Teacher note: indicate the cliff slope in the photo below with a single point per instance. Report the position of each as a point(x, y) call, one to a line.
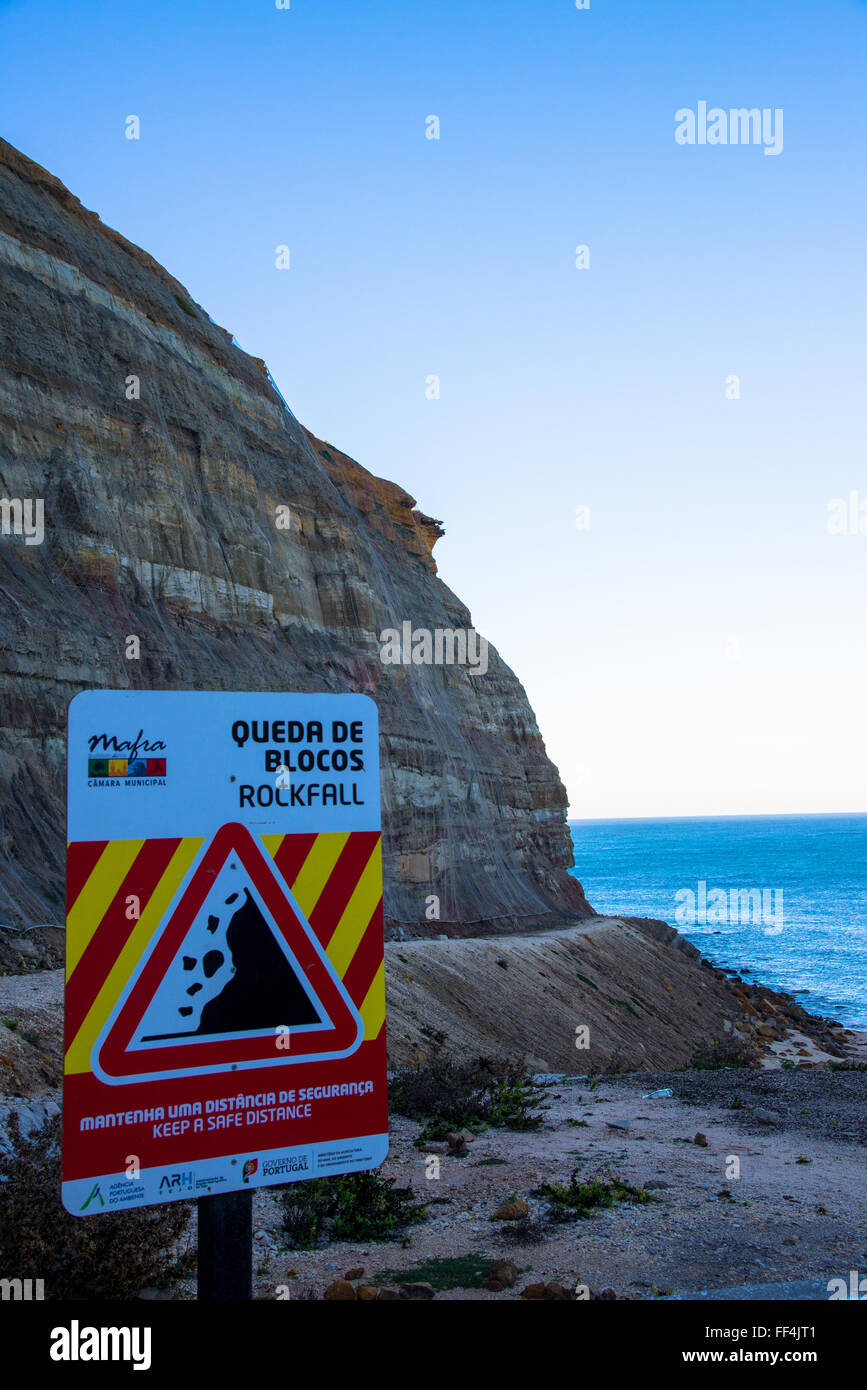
point(161, 522)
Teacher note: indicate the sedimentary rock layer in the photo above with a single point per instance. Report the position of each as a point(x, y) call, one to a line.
point(161, 522)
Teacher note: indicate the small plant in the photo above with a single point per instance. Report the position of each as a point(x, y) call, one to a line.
point(186, 306)
point(304, 1211)
point(110, 1256)
point(352, 1206)
point(11, 1024)
point(456, 1272)
point(446, 1093)
point(514, 1102)
point(568, 1201)
point(802, 1158)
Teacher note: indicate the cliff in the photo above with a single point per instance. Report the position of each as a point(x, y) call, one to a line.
point(162, 454)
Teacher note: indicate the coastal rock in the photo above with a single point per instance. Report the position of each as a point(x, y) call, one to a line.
point(163, 456)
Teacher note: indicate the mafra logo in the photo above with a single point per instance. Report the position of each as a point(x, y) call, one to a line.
point(123, 757)
point(250, 1168)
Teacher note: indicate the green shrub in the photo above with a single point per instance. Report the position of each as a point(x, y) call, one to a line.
point(442, 1272)
point(446, 1093)
point(514, 1101)
point(574, 1199)
point(352, 1206)
point(110, 1256)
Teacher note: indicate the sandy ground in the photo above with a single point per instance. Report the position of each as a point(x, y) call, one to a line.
point(781, 1219)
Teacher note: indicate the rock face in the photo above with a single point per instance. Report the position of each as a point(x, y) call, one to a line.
point(162, 454)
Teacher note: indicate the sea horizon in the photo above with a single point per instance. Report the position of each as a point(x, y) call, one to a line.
point(780, 898)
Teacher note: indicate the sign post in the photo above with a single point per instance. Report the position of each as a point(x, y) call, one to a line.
point(225, 996)
point(225, 1256)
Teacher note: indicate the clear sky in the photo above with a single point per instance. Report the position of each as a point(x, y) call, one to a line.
point(701, 647)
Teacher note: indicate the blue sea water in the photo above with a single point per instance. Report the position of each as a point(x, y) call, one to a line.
point(813, 870)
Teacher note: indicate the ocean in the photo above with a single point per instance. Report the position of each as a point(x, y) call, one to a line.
point(783, 899)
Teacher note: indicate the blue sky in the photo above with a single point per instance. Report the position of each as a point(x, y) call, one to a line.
point(701, 648)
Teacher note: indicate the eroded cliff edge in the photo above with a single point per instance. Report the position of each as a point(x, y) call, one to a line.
point(160, 522)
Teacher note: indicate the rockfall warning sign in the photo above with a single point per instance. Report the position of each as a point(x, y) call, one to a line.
point(225, 992)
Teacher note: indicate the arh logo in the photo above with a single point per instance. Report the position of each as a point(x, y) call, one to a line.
point(176, 1182)
point(250, 1167)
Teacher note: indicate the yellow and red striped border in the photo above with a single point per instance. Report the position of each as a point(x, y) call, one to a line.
point(336, 879)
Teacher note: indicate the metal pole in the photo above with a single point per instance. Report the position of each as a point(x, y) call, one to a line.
point(225, 1263)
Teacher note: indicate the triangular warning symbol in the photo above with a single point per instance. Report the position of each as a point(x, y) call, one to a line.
point(234, 978)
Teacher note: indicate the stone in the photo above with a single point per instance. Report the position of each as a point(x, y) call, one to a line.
point(608, 1294)
point(387, 1295)
point(557, 1293)
point(354, 1273)
point(340, 1292)
point(701, 1140)
point(533, 1292)
point(511, 1211)
point(767, 1117)
point(366, 1293)
point(505, 1272)
point(418, 1291)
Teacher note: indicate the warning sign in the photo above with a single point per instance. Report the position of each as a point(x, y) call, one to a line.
point(225, 1002)
point(222, 981)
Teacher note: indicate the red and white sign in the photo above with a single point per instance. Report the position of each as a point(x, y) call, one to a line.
point(225, 984)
